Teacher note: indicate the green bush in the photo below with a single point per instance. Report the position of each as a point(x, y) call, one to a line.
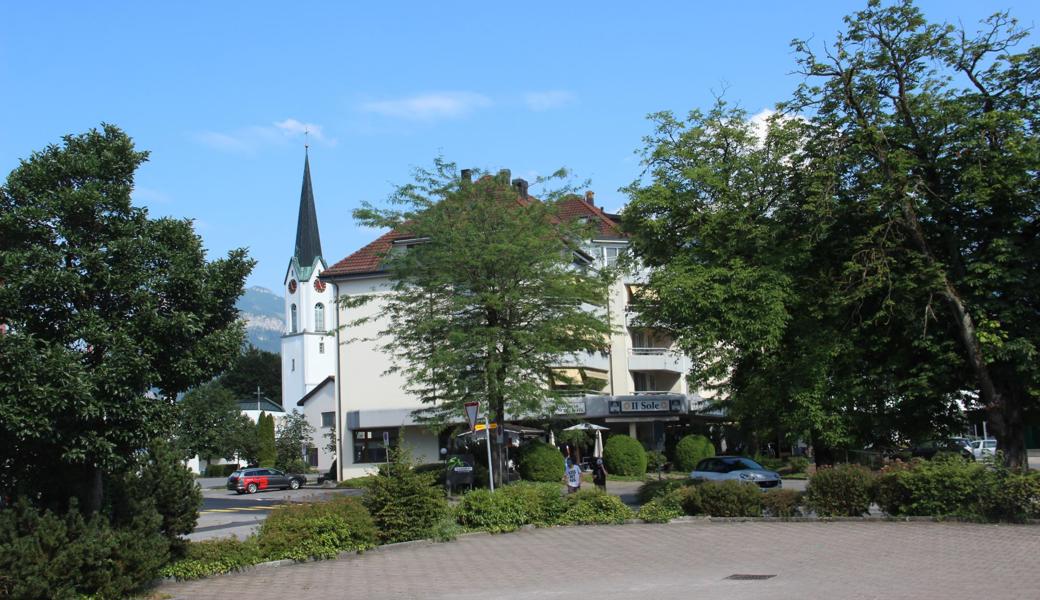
point(770, 463)
point(267, 451)
point(623, 455)
point(655, 461)
point(539, 461)
point(220, 470)
point(316, 530)
point(658, 487)
point(691, 450)
point(404, 504)
point(840, 491)
point(50, 556)
point(437, 471)
point(798, 464)
point(1012, 496)
point(727, 499)
point(663, 508)
point(593, 507)
point(512, 507)
point(782, 503)
point(541, 503)
point(160, 479)
point(213, 557)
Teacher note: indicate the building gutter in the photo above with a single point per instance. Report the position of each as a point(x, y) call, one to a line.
point(340, 425)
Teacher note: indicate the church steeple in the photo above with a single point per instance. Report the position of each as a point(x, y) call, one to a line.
point(308, 242)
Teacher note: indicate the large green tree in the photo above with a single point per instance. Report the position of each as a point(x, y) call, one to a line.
point(490, 293)
point(255, 369)
point(875, 255)
point(207, 421)
point(292, 436)
point(109, 314)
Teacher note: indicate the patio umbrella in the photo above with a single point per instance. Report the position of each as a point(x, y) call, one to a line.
point(597, 452)
point(586, 426)
point(552, 438)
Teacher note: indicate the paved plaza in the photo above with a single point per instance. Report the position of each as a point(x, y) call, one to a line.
point(812, 560)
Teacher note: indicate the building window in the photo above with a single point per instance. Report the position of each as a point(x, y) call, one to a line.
point(321, 347)
point(368, 445)
point(644, 382)
point(293, 365)
point(312, 457)
point(319, 317)
point(611, 255)
point(328, 419)
point(293, 322)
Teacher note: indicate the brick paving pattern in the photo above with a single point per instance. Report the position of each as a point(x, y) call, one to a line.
point(815, 560)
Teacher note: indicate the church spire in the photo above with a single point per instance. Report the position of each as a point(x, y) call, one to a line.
point(308, 243)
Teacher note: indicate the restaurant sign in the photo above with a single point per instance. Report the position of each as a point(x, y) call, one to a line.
point(645, 405)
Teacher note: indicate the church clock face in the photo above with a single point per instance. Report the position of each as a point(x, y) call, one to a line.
point(319, 285)
point(292, 286)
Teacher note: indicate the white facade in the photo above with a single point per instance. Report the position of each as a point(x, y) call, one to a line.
point(308, 352)
point(319, 408)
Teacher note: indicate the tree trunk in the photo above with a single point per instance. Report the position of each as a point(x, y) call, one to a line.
point(495, 438)
point(1007, 422)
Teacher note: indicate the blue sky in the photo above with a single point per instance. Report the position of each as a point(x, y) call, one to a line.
point(220, 92)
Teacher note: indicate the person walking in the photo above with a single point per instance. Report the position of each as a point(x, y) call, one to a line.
point(599, 475)
point(573, 477)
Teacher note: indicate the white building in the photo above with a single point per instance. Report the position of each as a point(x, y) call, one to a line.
point(637, 388)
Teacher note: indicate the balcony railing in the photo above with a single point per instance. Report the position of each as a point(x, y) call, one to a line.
point(656, 359)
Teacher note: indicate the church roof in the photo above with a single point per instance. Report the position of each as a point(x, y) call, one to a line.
point(368, 260)
point(263, 404)
point(308, 242)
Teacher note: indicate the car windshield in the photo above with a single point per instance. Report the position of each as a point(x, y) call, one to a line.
point(744, 463)
point(236, 474)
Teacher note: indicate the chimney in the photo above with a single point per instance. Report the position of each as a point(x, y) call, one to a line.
point(590, 197)
point(466, 175)
point(521, 187)
point(504, 175)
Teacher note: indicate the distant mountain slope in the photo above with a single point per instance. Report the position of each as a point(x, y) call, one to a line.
point(263, 311)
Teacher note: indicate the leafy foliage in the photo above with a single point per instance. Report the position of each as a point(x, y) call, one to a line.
point(206, 420)
point(852, 266)
point(212, 557)
point(293, 435)
point(459, 327)
point(623, 455)
point(663, 508)
point(840, 491)
point(103, 304)
point(254, 368)
point(782, 503)
point(267, 451)
point(316, 530)
point(404, 504)
point(512, 507)
point(691, 450)
point(541, 462)
point(727, 499)
point(658, 487)
point(593, 507)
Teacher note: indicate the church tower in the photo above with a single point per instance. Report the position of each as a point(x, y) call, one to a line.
point(308, 344)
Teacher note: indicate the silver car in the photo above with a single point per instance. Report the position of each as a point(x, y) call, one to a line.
point(736, 468)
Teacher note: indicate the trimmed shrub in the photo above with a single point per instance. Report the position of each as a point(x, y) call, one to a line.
point(539, 461)
point(541, 503)
point(798, 464)
point(840, 491)
point(727, 499)
point(623, 455)
point(593, 507)
point(691, 450)
point(658, 487)
point(655, 461)
point(946, 486)
point(1012, 496)
point(213, 557)
point(782, 503)
point(46, 555)
point(512, 507)
point(267, 452)
point(404, 504)
point(316, 530)
point(663, 508)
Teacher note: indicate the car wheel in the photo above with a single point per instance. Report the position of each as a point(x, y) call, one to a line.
point(251, 488)
point(294, 484)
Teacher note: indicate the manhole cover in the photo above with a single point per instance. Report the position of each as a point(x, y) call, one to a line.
point(748, 577)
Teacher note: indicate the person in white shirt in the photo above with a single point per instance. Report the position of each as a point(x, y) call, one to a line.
point(573, 478)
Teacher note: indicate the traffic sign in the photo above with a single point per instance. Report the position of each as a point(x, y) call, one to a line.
point(480, 426)
point(471, 413)
point(386, 439)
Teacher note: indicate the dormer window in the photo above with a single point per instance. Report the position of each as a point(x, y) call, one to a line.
point(293, 320)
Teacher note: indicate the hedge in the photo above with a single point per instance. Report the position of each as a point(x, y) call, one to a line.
point(404, 504)
point(316, 530)
point(623, 455)
point(512, 507)
point(726, 499)
point(840, 491)
point(593, 507)
point(542, 462)
point(691, 450)
point(663, 508)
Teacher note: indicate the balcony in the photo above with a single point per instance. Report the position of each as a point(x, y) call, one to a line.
point(656, 359)
point(588, 360)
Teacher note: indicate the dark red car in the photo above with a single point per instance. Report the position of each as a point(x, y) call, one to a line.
point(256, 479)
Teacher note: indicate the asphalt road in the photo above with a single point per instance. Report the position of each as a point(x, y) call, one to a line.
point(225, 513)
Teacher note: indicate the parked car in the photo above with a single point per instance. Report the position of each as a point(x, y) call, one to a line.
point(930, 448)
point(736, 468)
point(980, 448)
point(253, 480)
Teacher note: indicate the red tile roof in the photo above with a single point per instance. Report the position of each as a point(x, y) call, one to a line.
point(369, 258)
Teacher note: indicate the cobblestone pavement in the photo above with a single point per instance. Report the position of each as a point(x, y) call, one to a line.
point(815, 560)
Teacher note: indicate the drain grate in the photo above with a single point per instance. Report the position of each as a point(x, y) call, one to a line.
point(747, 577)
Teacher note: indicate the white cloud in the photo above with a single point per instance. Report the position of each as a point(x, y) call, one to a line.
point(248, 140)
point(548, 99)
point(430, 106)
point(760, 123)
